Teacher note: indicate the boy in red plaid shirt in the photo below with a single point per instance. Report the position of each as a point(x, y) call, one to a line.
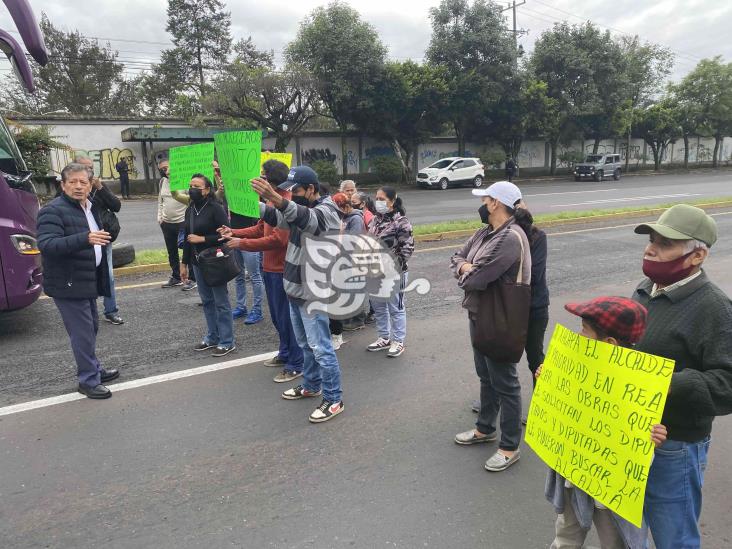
point(617, 321)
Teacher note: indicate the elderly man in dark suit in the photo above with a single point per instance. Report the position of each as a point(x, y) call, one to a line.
point(74, 248)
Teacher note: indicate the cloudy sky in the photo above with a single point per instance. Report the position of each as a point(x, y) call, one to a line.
point(693, 29)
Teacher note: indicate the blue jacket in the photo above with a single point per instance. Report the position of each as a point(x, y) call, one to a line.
point(69, 265)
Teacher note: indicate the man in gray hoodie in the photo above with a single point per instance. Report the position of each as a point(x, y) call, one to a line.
point(306, 213)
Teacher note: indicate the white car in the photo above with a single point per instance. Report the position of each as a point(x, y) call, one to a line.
point(451, 172)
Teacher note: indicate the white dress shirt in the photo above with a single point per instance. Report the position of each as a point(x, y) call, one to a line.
point(92, 227)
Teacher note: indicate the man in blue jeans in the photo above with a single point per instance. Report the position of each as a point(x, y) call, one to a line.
point(690, 321)
point(306, 212)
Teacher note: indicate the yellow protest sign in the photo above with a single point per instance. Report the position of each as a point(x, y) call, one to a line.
point(282, 157)
point(591, 415)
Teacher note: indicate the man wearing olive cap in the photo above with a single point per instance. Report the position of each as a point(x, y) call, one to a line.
point(690, 321)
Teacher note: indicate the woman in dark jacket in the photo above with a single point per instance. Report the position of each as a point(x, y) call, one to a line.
point(203, 217)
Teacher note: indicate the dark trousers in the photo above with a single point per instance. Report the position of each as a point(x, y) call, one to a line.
point(124, 183)
point(279, 309)
point(538, 322)
point(82, 323)
point(509, 176)
point(336, 327)
point(500, 392)
point(170, 234)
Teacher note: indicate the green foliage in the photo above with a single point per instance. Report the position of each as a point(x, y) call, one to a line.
point(387, 169)
point(658, 126)
point(35, 146)
point(492, 158)
point(326, 171)
point(82, 77)
point(570, 158)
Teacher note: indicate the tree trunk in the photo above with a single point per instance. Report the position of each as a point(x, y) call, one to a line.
point(460, 140)
point(656, 156)
point(596, 146)
point(399, 152)
point(281, 142)
point(627, 151)
point(553, 167)
point(717, 146)
point(344, 153)
point(686, 152)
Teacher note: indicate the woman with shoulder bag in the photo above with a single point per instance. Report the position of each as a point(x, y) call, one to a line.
point(203, 217)
point(494, 270)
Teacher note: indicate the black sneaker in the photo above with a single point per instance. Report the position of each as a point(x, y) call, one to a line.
point(327, 410)
point(370, 319)
point(189, 285)
point(223, 351)
point(203, 346)
point(114, 318)
point(172, 283)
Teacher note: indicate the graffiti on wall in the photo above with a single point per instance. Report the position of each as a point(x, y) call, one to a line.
point(528, 158)
point(105, 161)
point(352, 159)
point(313, 155)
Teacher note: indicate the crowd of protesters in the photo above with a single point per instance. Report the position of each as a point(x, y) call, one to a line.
point(676, 312)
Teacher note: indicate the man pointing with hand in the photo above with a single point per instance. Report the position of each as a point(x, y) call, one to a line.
point(73, 249)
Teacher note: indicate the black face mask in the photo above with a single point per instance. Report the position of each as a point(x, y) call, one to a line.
point(301, 201)
point(196, 196)
point(483, 211)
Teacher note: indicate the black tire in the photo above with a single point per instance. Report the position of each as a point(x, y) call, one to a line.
point(577, 178)
point(478, 182)
point(122, 254)
point(599, 176)
point(444, 183)
point(616, 175)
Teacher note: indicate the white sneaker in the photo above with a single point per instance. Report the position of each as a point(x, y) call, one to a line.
point(381, 344)
point(337, 341)
point(396, 348)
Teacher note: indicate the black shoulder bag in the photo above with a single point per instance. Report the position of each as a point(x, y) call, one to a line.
point(217, 270)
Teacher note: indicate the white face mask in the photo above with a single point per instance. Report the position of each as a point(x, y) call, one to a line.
point(381, 206)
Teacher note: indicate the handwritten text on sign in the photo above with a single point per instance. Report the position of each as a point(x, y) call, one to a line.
point(189, 160)
point(239, 155)
point(591, 415)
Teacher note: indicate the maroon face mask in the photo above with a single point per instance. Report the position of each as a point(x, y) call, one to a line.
point(665, 273)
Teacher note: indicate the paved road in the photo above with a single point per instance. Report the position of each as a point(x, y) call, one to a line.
point(219, 460)
point(430, 206)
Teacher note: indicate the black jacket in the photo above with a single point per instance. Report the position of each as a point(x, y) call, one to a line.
point(693, 326)
point(108, 205)
point(539, 288)
point(204, 223)
point(69, 264)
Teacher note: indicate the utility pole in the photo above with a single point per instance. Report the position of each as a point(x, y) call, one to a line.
point(516, 31)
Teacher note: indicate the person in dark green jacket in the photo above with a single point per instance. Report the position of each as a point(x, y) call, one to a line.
point(689, 321)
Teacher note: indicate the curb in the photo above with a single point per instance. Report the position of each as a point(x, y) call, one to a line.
point(452, 235)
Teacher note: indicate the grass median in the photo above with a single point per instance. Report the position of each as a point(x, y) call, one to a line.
point(153, 257)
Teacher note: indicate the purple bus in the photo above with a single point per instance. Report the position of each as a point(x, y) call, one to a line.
point(20, 260)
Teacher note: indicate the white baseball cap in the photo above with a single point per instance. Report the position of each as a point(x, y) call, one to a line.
point(504, 191)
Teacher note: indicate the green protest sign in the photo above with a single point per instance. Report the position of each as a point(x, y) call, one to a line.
point(185, 161)
point(239, 155)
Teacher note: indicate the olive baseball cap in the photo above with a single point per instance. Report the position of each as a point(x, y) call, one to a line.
point(683, 222)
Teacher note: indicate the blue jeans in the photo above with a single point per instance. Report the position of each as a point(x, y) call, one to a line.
point(217, 310)
point(279, 310)
point(674, 494)
point(110, 303)
point(252, 261)
point(391, 316)
point(320, 365)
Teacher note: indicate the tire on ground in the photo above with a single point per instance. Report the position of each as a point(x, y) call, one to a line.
point(122, 254)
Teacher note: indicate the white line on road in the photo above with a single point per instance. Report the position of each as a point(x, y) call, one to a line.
point(572, 192)
point(627, 199)
point(52, 401)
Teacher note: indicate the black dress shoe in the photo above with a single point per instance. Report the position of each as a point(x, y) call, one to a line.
point(109, 375)
point(98, 392)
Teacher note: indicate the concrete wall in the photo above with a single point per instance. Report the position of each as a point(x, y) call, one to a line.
point(101, 140)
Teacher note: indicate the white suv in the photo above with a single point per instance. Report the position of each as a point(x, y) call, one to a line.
point(452, 171)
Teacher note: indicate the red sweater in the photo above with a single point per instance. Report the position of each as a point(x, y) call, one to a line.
point(265, 238)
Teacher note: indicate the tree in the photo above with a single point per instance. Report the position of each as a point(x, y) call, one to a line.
point(411, 109)
point(345, 56)
point(279, 101)
point(470, 42)
point(709, 86)
point(82, 77)
point(646, 68)
point(688, 117)
point(35, 145)
point(560, 60)
point(658, 127)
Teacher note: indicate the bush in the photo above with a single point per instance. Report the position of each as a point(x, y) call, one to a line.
point(35, 146)
point(326, 171)
point(387, 169)
point(570, 158)
point(493, 159)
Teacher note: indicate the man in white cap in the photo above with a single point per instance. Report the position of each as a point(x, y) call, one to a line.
point(500, 251)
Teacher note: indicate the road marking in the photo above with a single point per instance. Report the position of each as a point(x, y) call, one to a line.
point(627, 199)
point(52, 401)
point(128, 287)
point(572, 192)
